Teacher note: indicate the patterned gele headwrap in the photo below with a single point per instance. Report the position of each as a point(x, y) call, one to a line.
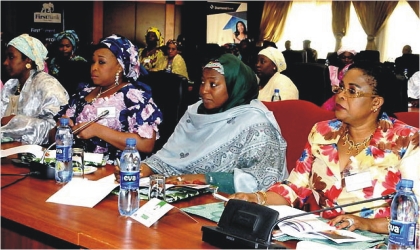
point(32, 48)
point(216, 65)
point(126, 54)
point(69, 34)
point(161, 40)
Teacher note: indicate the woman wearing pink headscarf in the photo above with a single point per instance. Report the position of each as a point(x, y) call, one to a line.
point(346, 58)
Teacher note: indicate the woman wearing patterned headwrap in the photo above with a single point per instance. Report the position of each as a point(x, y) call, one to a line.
point(132, 112)
point(269, 64)
point(70, 69)
point(31, 97)
point(152, 56)
point(227, 139)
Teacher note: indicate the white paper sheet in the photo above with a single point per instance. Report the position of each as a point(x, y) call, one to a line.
point(83, 192)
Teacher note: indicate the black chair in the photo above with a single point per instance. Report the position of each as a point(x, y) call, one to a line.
point(293, 57)
point(168, 92)
point(313, 82)
point(368, 55)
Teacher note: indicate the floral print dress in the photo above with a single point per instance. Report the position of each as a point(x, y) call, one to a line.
point(135, 112)
point(317, 172)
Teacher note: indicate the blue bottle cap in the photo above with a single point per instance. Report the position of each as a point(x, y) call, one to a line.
point(130, 141)
point(64, 121)
point(276, 90)
point(405, 183)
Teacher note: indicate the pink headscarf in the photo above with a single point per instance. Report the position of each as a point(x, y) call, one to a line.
point(345, 49)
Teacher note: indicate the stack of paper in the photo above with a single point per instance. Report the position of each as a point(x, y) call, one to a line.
point(310, 226)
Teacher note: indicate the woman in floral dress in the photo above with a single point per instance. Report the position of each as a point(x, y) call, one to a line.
point(351, 146)
point(132, 112)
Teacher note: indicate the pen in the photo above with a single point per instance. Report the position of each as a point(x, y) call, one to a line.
point(220, 197)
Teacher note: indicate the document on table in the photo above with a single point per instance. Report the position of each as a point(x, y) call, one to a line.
point(310, 226)
point(83, 192)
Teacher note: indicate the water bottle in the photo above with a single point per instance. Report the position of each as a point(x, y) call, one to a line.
point(404, 217)
point(63, 156)
point(406, 73)
point(169, 68)
point(276, 96)
point(327, 62)
point(128, 198)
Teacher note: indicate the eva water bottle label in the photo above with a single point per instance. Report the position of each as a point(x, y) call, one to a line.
point(129, 180)
point(402, 233)
point(63, 154)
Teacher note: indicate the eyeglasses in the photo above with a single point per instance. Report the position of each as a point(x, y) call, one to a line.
point(351, 93)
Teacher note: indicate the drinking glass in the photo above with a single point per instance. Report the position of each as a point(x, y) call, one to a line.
point(78, 158)
point(157, 186)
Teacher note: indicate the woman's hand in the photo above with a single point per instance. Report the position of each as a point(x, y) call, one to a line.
point(88, 132)
point(351, 222)
point(199, 179)
point(144, 171)
point(251, 197)
point(5, 120)
point(415, 140)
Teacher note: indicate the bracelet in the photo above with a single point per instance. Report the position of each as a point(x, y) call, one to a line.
point(258, 198)
point(264, 194)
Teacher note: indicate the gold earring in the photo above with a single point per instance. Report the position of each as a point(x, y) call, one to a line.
point(375, 110)
point(117, 76)
point(28, 65)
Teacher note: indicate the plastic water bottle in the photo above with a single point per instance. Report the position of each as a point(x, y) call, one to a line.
point(63, 156)
point(276, 96)
point(327, 62)
point(404, 217)
point(128, 198)
point(169, 68)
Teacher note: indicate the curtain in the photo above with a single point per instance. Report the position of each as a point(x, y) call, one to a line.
point(340, 20)
point(373, 16)
point(273, 18)
point(415, 6)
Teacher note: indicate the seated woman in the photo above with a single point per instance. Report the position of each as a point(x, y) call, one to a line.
point(173, 62)
point(270, 63)
point(152, 56)
point(345, 59)
point(227, 139)
point(69, 69)
point(132, 112)
point(353, 143)
point(31, 98)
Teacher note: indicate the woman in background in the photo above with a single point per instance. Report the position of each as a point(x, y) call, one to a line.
point(152, 56)
point(31, 98)
point(173, 62)
point(132, 112)
point(240, 32)
point(352, 146)
point(227, 139)
point(69, 68)
point(270, 63)
point(346, 58)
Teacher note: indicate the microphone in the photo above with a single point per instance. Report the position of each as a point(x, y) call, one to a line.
point(45, 171)
point(100, 116)
point(246, 225)
point(383, 197)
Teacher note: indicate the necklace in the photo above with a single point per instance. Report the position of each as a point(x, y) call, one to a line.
point(354, 145)
point(18, 89)
point(100, 93)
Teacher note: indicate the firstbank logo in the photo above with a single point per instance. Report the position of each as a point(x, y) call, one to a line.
point(46, 15)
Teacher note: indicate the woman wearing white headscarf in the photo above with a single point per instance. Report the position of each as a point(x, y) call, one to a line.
point(269, 64)
point(346, 58)
point(31, 98)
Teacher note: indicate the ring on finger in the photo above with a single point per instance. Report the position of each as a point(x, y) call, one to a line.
point(351, 222)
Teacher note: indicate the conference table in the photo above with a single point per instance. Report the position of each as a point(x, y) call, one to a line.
point(28, 221)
